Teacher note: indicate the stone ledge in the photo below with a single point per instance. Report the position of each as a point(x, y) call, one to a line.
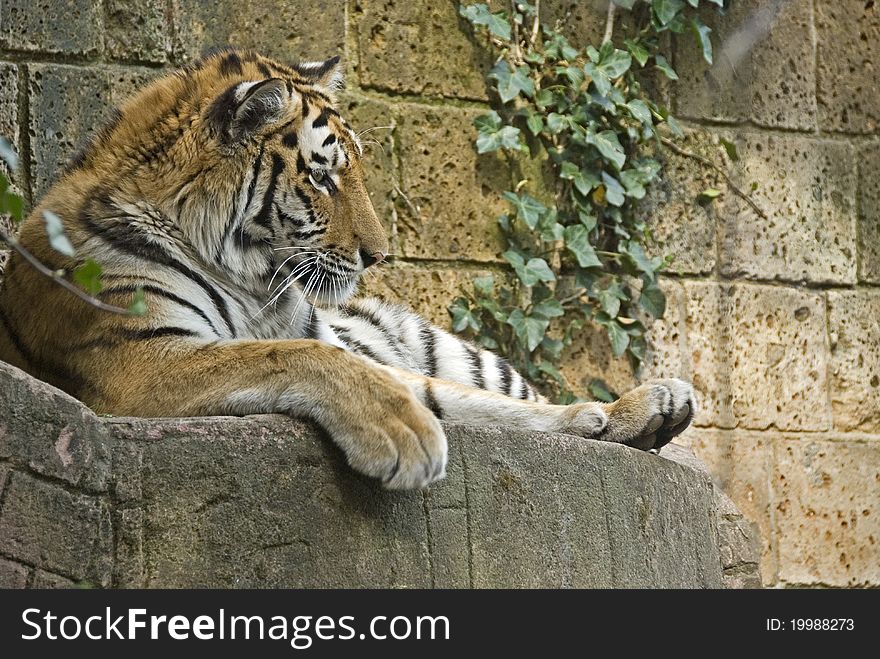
point(266, 501)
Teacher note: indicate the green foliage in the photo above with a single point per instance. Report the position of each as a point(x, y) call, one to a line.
point(88, 273)
point(580, 256)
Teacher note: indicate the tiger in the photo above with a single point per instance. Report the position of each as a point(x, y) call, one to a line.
point(231, 193)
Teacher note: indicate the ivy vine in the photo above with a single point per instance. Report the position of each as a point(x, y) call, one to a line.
point(580, 256)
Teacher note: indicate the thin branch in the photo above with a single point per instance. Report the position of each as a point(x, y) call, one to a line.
point(730, 184)
point(609, 21)
point(56, 276)
point(536, 26)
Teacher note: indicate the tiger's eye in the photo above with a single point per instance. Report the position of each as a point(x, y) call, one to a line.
point(318, 175)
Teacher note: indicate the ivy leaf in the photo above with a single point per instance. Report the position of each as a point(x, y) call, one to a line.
point(610, 296)
point(626, 4)
point(549, 308)
point(632, 181)
point(506, 138)
point(511, 83)
point(600, 80)
point(600, 391)
point(652, 299)
point(585, 181)
point(527, 207)
point(11, 203)
point(484, 285)
point(556, 123)
point(138, 306)
point(615, 64)
point(636, 254)
point(701, 31)
point(708, 195)
point(462, 316)
point(536, 270)
point(488, 123)
point(8, 154)
point(55, 232)
point(618, 337)
point(480, 15)
point(638, 51)
point(535, 123)
point(667, 10)
point(614, 192)
point(640, 110)
point(609, 146)
point(529, 329)
point(674, 126)
point(663, 64)
point(730, 148)
point(88, 275)
point(577, 241)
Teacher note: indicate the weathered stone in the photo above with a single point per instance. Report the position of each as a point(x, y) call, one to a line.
point(69, 28)
point(287, 31)
point(9, 108)
point(763, 66)
point(681, 226)
point(449, 559)
point(428, 292)
point(826, 512)
point(377, 124)
point(137, 30)
point(128, 571)
point(5, 470)
point(807, 187)
point(457, 193)
point(869, 213)
point(741, 463)
point(50, 432)
point(12, 574)
point(297, 510)
point(759, 356)
point(848, 35)
point(67, 104)
point(48, 581)
point(47, 526)
point(855, 359)
point(419, 47)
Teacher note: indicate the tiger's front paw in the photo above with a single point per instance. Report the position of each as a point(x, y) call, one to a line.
point(388, 434)
point(649, 416)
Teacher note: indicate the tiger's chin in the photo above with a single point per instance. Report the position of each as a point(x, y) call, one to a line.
point(333, 291)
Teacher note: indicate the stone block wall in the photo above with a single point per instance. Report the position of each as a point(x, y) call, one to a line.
point(776, 320)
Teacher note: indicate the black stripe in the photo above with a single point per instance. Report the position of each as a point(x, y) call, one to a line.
point(263, 218)
point(305, 235)
point(284, 217)
point(152, 333)
point(300, 163)
point(392, 341)
point(506, 375)
point(356, 345)
point(321, 120)
point(252, 186)
point(476, 366)
point(305, 107)
point(426, 334)
point(330, 139)
point(290, 140)
point(318, 158)
point(431, 400)
point(264, 70)
point(15, 338)
point(53, 373)
point(125, 240)
point(155, 290)
point(230, 65)
point(524, 388)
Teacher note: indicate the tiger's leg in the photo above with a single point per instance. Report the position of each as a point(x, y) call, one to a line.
point(647, 417)
point(377, 421)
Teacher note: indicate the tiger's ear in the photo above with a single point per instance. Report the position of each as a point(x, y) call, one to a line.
point(327, 75)
point(244, 109)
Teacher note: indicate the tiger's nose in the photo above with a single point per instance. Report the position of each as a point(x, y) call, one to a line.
point(371, 259)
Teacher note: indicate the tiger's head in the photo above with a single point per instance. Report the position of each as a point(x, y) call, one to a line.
point(254, 167)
